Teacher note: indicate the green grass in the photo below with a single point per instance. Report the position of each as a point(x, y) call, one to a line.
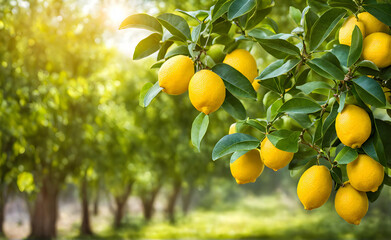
point(257, 218)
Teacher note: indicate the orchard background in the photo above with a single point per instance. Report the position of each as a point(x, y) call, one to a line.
point(81, 158)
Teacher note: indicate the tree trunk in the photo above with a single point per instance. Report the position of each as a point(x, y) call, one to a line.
point(85, 228)
point(44, 217)
point(120, 203)
point(170, 210)
point(148, 201)
point(96, 204)
point(3, 201)
point(186, 200)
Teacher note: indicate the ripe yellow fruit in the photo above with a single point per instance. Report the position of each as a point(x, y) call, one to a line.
point(377, 48)
point(350, 204)
point(273, 157)
point(232, 128)
point(244, 62)
point(353, 126)
point(372, 24)
point(345, 33)
point(248, 167)
point(314, 187)
point(175, 74)
point(365, 174)
point(256, 85)
point(206, 91)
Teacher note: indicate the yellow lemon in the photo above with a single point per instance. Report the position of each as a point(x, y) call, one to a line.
point(350, 204)
point(371, 23)
point(314, 187)
point(232, 128)
point(248, 167)
point(206, 91)
point(175, 74)
point(244, 62)
point(353, 126)
point(345, 33)
point(377, 48)
point(256, 85)
point(365, 174)
point(273, 157)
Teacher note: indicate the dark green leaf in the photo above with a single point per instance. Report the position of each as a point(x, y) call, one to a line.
point(311, 86)
point(310, 18)
point(331, 117)
point(318, 136)
point(300, 105)
point(347, 4)
point(232, 143)
point(220, 8)
point(336, 174)
point(324, 26)
point(151, 94)
point(147, 46)
point(176, 25)
point(384, 129)
point(285, 140)
point(381, 11)
point(341, 52)
point(235, 82)
point(279, 48)
point(178, 50)
point(198, 129)
point(278, 68)
point(367, 64)
point(346, 155)
point(373, 196)
point(143, 21)
point(234, 107)
point(329, 136)
point(370, 91)
point(271, 84)
point(327, 66)
point(256, 124)
point(163, 49)
point(257, 17)
point(240, 7)
point(356, 47)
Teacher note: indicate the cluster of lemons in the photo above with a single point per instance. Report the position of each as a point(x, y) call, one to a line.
point(206, 88)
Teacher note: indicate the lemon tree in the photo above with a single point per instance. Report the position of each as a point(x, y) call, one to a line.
point(324, 98)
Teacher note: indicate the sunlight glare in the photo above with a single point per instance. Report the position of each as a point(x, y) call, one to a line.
point(116, 13)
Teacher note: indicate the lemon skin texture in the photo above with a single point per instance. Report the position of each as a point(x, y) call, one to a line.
point(248, 167)
point(351, 204)
point(353, 126)
point(175, 74)
point(206, 91)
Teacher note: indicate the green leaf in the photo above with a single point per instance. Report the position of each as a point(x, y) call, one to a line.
point(157, 64)
point(324, 26)
point(143, 92)
point(346, 155)
point(240, 7)
point(279, 48)
point(300, 105)
point(151, 94)
point(384, 129)
point(327, 66)
point(234, 107)
point(237, 155)
point(197, 15)
point(258, 16)
point(311, 86)
point(163, 50)
point(336, 174)
point(178, 50)
point(374, 147)
point(143, 21)
point(302, 119)
point(298, 165)
point(278, 68)
point(310, 18)
point(198, 129)
point(347, 4)
point(329, 136)
point(356, 46)
point(373, 196)
point(341, 52)
point(318, 135)
point(381, 11)
point(176, 25)
point(234, 81)
point(367, 64)
point(220, 8)
point(147, 46)
point(295, 14)
point(370, 91)
point(232, 143)
point(256, 124)
point(342, 101)
point(285, 140)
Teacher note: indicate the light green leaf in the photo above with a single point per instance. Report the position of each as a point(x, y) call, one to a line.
point(143, 92)
point(220, 9)
point(308, 87)
point(279, 48)
point(198, 129)
point(176, 25)
point(143, 21)
point(232, 143)
point(278, 68)
point(295, 14)
point(237, 155)
point(285, 140)
point(300, 105)
point(147, 46)
point(151, 94)
point(346, 155)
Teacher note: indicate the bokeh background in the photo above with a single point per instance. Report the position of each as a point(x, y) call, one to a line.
point(75, 142)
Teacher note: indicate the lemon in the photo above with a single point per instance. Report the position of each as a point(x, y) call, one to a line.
point(350, 204)
point(314, 187)
point(273, 157)
point(353, 126)
point(371, 23)
point(256, 85)
point(345, 32)
point(175, 74)
point(248, 167)
point(232, 128)
point(244, 62)
point(377, 48)
point(365, 174)
point(206, 91)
